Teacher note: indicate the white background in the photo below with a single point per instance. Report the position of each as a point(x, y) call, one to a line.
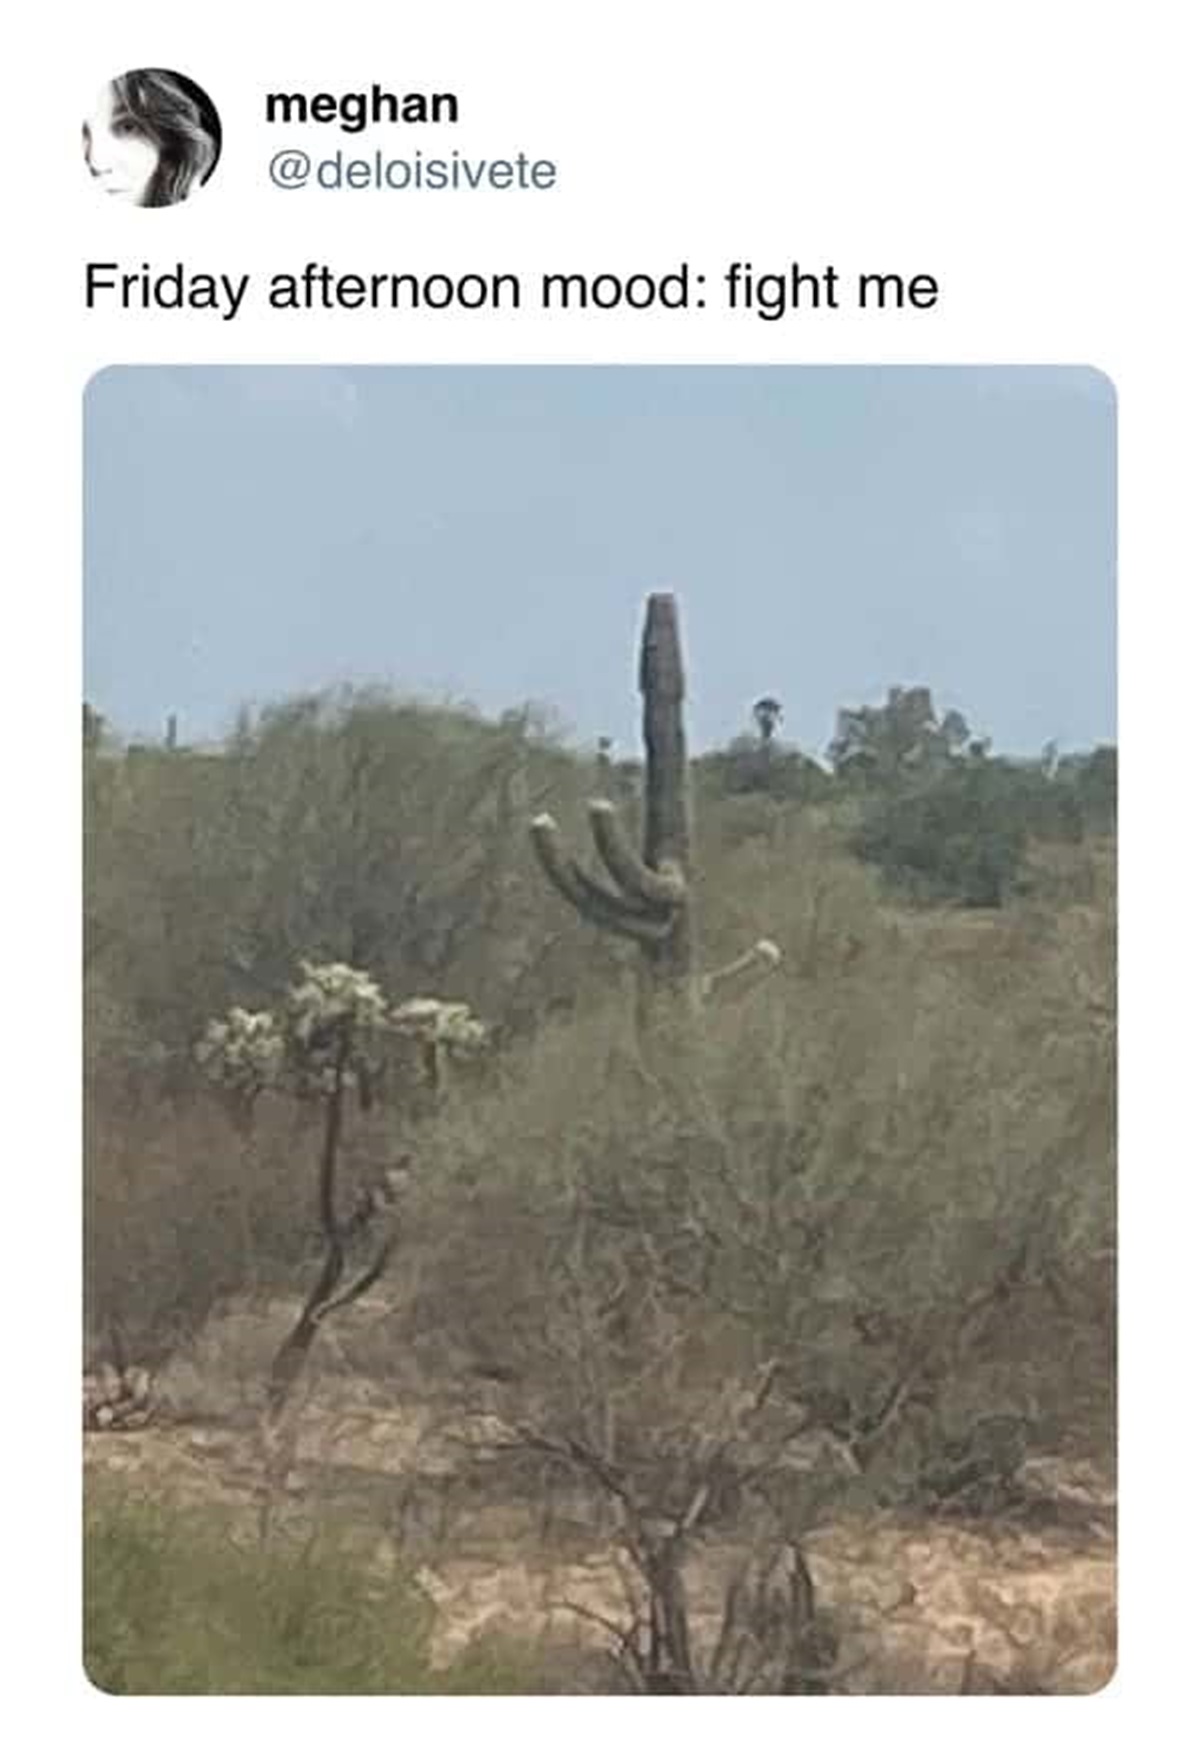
point(1040, 160)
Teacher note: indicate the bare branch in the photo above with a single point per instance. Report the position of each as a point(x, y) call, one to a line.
point(626, 1637)
point(573, 1451)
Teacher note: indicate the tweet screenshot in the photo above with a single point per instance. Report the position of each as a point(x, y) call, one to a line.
point(585, 587)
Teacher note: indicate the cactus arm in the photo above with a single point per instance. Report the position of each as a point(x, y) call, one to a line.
point(627, 918)
point(651, 888)
point(588, 898)
point(743, 975)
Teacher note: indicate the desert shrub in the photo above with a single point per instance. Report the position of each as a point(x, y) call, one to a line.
point(183, 1209)
point(1092, 779)
point(176, 1605)
point(346, 827)
point(853, 1246)
point(959, 835)
point(752, 766)
point(855, 1159)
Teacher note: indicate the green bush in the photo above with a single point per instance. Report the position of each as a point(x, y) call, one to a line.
point(1093, 779)
point(959, 836)
point(174, 1605)
point(960, 833)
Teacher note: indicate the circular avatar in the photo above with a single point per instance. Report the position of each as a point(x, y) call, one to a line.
point(152, 139)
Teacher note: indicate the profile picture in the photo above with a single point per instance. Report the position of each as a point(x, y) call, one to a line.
point(152, 138)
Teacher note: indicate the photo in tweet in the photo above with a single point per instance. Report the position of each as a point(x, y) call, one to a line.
point(600, 1030)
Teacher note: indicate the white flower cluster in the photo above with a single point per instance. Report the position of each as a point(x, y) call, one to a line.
point(332, 995)
point(439, 1021)
point(243, 1050)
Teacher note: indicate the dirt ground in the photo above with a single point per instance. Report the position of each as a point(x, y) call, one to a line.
point(925, 1605)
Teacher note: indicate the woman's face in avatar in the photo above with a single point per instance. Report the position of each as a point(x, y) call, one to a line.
point(118, 154)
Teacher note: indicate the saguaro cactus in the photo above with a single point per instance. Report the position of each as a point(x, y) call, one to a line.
point(649, 899)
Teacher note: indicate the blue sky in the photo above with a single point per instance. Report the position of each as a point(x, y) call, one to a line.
point(488, 534)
